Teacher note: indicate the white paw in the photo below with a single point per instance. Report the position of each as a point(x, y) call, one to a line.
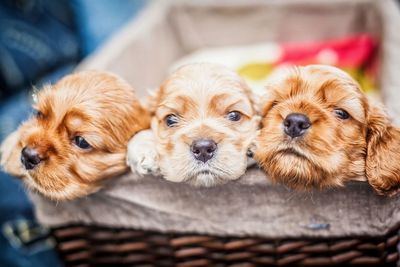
point(144, 162)
point(142, 155)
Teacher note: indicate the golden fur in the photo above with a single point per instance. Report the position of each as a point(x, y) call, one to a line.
point(333, 150)
point(200, 96)
point(97, 106)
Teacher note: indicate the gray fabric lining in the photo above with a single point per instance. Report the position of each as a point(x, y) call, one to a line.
point(142, 53)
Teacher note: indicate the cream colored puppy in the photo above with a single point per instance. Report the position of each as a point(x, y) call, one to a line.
point(204, 120)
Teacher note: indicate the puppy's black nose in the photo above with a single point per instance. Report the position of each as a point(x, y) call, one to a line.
point(30, 158)
point(203, 149)
point(296, 124)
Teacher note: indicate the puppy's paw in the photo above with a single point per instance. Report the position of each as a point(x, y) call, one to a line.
point(142, 155)
point(10, 153)
point(144, 162)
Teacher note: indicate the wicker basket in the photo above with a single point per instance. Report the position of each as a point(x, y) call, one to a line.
point(179, 29)
point(89, 246)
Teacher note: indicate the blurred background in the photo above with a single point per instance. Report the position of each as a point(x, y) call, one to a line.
point(43, 40)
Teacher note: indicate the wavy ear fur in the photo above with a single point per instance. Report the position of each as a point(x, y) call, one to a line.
point(10, 153)
point(383, 153)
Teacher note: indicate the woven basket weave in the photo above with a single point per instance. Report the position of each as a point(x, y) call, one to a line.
point(87, 246)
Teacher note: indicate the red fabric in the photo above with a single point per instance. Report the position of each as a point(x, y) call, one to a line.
point(351, 52)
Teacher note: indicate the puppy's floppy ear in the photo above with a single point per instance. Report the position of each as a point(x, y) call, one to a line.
point(383, 153)
point(10, 154)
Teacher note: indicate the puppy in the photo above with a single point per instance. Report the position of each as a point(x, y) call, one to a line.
point(77, 137)
point(204, 121)
point(319, 130)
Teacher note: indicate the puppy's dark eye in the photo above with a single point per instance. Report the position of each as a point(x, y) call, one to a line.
point(274, 103)
point(234, 116)
point(37, 113)
point(342, 114)
point(81, 142)
point(171, 120)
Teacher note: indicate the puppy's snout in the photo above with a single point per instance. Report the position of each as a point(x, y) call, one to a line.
point(203, 149)
point(30, 157)
point(296, 124)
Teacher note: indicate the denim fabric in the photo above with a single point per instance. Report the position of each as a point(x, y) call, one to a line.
point(23, 243)
point(36, 36)
point(98, 19)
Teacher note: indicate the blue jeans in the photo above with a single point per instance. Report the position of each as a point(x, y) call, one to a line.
point(23, 243)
